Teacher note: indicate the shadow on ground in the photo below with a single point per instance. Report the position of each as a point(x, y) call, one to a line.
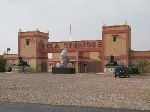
point(28, 107)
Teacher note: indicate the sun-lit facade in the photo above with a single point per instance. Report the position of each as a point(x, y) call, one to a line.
point(85, 55)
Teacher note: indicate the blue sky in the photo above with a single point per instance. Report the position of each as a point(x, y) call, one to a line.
point(85, 16)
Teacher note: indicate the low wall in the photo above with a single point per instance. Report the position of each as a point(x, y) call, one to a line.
point(21, 69)
point(109, 69)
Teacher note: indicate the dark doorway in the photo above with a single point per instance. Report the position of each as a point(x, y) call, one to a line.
point(44, 67)
point(90, 67)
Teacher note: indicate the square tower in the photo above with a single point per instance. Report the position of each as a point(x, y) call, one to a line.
point(28, 49)
point(116, 41)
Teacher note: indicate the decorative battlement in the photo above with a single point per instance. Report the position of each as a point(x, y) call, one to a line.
point(33, 34)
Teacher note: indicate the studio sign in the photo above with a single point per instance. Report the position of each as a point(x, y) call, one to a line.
point(80, 44)
point(61, 45)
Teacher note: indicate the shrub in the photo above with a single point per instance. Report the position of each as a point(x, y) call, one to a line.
point(133, 69)
point(2, 65)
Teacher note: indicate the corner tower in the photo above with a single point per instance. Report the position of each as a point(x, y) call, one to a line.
point(28, 49)
point(116, 41)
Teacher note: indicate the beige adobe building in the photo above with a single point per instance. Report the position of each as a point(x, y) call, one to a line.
point(85, 55)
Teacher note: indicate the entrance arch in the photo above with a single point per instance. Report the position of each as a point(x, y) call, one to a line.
point(34, 47)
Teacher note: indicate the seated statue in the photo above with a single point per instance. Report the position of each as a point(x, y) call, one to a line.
point(64, 60)
point(111, 61)
point(22, 63)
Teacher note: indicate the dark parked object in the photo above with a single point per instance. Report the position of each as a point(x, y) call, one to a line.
point(62, 70)
point(121, 71)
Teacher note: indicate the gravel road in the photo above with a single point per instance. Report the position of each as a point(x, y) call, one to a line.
point(92, 90)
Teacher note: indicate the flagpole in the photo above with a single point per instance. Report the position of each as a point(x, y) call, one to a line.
point(70, 32)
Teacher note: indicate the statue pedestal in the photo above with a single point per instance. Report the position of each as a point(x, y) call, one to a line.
point(109, 69)
point(21, 69)
point(64, 70)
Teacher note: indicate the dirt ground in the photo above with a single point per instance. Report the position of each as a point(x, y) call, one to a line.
point(95, 90)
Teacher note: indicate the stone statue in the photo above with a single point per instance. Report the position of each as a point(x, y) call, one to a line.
point(22, 67)
point(64, 59)
point(111, 61)
point(22, 63)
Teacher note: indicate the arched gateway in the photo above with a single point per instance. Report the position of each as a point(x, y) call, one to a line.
point(33, 46)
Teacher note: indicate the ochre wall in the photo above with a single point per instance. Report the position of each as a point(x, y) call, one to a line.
point(42, 65)
point(43, 40)
point(31, 52)
point(10, 60)
point(32, 63)
point(95, 55)
point(10, 56)
point(56, 56)
point(140, 53)
point(117, 48)
point(71, 55)
point(28, 50)
point(136, 56)
point(120, 47)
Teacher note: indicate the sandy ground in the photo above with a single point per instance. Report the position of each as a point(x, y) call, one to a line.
point(80, 89)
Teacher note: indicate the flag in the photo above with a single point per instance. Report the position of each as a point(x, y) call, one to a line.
point(8, 49)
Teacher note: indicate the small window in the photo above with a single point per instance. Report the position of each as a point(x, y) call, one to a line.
point(114, 38)
point(27, 42)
